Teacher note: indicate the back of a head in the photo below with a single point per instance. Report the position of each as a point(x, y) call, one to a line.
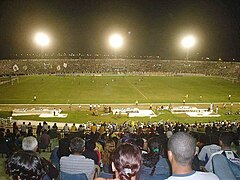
point(183, 146)
point(90, 145)
point(77, 145)
point(29, 143)
point(226, 139)
point(140, 142)
point(26, 165)
point(63, 149)
point(127, 160)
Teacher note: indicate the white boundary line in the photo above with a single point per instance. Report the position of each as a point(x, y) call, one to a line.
point(137, 89)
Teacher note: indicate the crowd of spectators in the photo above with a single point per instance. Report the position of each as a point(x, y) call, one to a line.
point(119, 66)
point(95, 150)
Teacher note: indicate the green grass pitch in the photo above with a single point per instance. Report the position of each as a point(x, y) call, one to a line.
point(118, 89)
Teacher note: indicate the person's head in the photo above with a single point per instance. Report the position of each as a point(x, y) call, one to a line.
point(25, 165)
point(181, 149)
point(154, 145)
point(77, 145)
point(127, 160)
point(90, 145)
point(109, 146)
point(225, 139)
point(29, 143)
point(140, 143)
point(64, 147)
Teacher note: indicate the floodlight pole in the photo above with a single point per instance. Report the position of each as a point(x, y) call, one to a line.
point(187, 54)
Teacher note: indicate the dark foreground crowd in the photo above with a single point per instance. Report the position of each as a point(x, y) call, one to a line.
point(140, 155)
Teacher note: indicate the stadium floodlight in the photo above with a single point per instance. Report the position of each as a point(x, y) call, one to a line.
point(116, 41)
point(188, 42)
point(42, 39)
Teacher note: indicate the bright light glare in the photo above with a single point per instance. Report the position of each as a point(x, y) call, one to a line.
point(116, 41)
point(42, 39)
point(188, 41)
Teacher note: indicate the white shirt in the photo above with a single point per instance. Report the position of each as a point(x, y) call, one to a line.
point(76, 164)
point(195, 175)
point(207, 151)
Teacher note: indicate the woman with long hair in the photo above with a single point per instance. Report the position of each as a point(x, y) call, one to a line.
point(126, 162)
point(154, 165)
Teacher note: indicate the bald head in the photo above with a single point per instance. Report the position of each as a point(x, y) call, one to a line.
point(182, 146)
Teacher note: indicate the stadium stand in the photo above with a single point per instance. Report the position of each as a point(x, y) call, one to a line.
point(119, 66)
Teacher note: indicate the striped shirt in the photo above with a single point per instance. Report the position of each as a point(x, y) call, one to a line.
point(76, 164)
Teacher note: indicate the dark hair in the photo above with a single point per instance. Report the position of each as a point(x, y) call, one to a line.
point(139, 142)
point(151, 159)
point(226, 138)
point(127, 160)
point(183, 147)
point(90, 144)
point(77, 145)
point(26, 165)
point(63, 149)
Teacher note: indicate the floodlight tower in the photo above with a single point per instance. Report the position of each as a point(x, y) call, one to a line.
point(116, 42)
point(42, 40)
point(188, 42)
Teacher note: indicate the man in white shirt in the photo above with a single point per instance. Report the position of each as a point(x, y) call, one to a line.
point(76, 163)
point(181, 150)
point(208, 150)
point(225, 140)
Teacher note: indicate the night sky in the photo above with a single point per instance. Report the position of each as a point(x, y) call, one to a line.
point(149, 27)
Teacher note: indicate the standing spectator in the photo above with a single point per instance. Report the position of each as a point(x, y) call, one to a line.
point(39, 129)
point(45, 126)
point(30, 131)
point(73, 128)
point(181, 150)
point(15, 129)
point(81, 130)
point(45, 140)
point(94, 128)
point(65, 129)
point(55, 126)
point(23, 129)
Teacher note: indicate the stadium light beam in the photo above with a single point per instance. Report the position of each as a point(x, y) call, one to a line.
point(42, 39)
point(188, 42)
point(116, 41)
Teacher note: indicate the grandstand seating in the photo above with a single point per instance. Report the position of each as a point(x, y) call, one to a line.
point(119, 66)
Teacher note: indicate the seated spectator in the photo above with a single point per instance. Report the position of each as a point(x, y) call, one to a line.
point(106, 156)
point(76, 163)
point(140, 144)
point(25, 165)
point(60, 151)
point(181, 150)
point(225, 141)
point(208, 150)
point(154, 165)
point(127, 160)
point(30, 143)
point(90, 153)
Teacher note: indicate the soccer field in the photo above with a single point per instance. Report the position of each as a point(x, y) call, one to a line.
point(118, 89)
